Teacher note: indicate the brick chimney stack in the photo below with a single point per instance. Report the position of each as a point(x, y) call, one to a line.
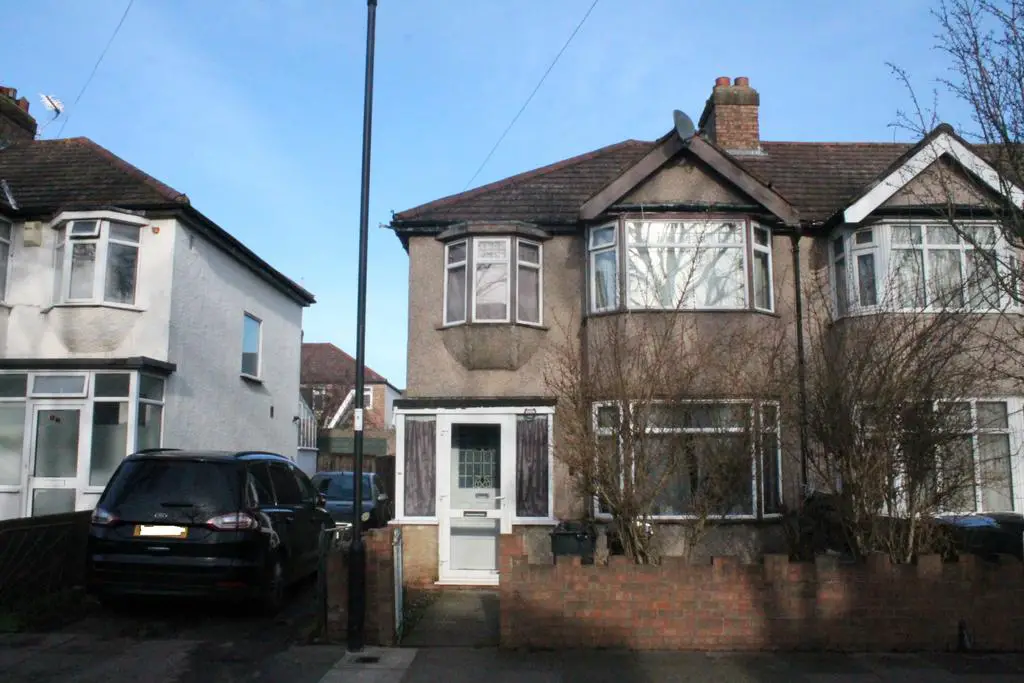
point(16, 124)
point(730, 115)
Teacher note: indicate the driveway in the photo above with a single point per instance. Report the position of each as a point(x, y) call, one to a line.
point(172, 643)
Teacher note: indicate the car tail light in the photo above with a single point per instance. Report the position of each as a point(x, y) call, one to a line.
point(103, 518)
point(233, 521)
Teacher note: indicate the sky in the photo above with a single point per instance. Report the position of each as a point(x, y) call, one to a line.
point(253, 108)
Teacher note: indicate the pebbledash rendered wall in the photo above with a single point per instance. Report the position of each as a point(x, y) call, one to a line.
point(777, 605)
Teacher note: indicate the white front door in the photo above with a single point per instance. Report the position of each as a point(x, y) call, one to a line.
point(58, 458)
point(476, 466)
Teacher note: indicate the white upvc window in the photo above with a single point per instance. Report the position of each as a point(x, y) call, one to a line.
point(150, 419)
point(764, 297)
point(705, 264)
point(918, 266)
point(96, 261)
point(6, 239)
point(456, 260)
point(485, 278)
point(602, 247)
point(738, 437)
point(528, 282)
point(252, 346)
point(491, 291)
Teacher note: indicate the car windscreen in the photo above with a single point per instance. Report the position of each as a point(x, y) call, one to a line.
point(173, 490)
point(341, 486)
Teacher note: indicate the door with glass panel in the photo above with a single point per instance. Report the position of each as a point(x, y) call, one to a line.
point(473, 510)
point(56, 458)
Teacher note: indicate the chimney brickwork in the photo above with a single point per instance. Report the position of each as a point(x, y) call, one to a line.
point(16, 124)
point(730, 117)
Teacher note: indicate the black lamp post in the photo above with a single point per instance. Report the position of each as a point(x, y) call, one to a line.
point(357, 551)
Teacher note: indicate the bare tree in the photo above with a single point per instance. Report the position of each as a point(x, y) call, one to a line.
point(644, 427)
point(891, 420)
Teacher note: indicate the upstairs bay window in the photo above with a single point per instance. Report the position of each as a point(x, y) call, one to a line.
point(96, 261)
point(680, 264)
point(917, 266)
point(488, 279)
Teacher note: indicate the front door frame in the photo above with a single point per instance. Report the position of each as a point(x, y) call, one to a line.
point(81, 479)
point(504, 514)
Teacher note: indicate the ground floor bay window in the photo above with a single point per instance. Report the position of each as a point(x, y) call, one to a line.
point(62, 434)
point(684, 460)
point(472, 473)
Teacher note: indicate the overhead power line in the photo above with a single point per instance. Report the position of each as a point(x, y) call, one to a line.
point(536, 88)
point(99, 60)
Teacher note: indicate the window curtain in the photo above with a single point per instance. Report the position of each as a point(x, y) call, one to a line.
point(420, 466)
point(532, 467)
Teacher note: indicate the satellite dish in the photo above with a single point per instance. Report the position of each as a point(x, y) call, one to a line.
point(684, 126)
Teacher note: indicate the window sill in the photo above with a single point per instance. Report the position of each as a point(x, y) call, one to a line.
point(94, 304)
point(413, 521)
point(482, 324)
point(251, 378)
point(681, 311)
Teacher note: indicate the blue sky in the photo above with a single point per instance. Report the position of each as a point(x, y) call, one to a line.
point(253, 107)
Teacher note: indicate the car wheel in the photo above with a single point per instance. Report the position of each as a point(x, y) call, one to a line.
point(274, 589)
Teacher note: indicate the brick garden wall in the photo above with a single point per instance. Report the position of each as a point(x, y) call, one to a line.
point(380, 590)
point(776, 605)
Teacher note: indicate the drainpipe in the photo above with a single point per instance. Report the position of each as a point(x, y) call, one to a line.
point(801, 362)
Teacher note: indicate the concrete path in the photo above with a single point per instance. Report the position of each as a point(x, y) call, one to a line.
point(457, 618)
point(457, 665)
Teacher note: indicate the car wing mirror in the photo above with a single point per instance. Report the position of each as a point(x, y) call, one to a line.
point(321, 500)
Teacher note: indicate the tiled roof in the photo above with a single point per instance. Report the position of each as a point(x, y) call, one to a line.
point(325, 363)
point(46, 177)
point(55, 175)
point(817, 178)
point(550, 194)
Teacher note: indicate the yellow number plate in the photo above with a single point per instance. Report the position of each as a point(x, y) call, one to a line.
point(161, 531)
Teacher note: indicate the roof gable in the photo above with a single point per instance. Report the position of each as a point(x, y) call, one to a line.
point(670, 147)
point(942, 183)
point(940, 143)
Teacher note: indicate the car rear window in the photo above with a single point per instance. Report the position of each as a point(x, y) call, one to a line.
point(189, 487)
point(341, 486)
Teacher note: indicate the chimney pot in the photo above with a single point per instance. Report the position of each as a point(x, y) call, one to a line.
point(730, 115)
point(721, 81)
point(742, 82)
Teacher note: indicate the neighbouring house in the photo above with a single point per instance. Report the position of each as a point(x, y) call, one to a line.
point(129, 320)
point(504, 275)
point(328, 385)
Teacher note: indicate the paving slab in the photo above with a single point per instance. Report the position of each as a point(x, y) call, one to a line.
point(457, 618)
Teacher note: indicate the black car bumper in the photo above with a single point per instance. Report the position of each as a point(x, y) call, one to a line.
point(123, 575)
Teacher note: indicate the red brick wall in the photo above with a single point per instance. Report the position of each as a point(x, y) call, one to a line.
point(775, 606)
point(380, 590)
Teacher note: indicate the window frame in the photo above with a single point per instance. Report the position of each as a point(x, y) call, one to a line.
point(620, 247)
point(101, 238)
point(471, 262)
point(6, 241)
point(539, 268)
point(246, 316)
point(464, 264)
point(885, 251)
point(756, 429)
point(476, 263)
point(592, 254)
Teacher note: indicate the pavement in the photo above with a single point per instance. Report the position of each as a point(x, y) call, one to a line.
point(184, 643)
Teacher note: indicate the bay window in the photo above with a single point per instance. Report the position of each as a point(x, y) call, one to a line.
point(487, 278)
point(680, 264)
point(917, 266)
point(96, 261)
point(695, 458)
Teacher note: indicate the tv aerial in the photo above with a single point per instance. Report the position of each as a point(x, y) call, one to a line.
point(684, 125)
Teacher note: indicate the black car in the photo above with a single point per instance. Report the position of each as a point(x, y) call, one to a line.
point(240, 525)
point(338, 489)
